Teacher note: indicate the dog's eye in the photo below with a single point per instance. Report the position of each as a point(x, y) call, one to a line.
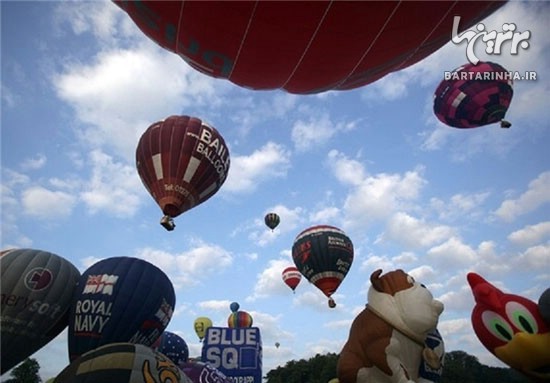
point(423, 285)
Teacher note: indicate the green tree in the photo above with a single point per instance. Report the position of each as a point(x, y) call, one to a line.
point(26, 372)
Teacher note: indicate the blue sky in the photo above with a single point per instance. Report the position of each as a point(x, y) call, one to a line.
point(80, 84)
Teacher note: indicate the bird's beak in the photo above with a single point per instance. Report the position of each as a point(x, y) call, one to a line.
point(529, 353)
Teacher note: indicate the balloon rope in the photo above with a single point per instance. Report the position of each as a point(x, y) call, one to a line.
point(250, 19)
point(405, 332)
point(428, 36)
point(308, 45)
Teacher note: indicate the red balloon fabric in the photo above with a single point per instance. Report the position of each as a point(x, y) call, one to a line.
point(303, 47)
point(182, 162)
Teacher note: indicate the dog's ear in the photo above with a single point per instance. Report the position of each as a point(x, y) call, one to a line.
point(375, 280)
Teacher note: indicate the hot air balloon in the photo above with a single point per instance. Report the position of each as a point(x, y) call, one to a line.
point(272, 220)
point(119, 299)
point(182, 161)
point(292, 277)
point(474, 95)
point(277, 344)
point(37, 287)
point(323, 254)
point(303, 47)
point(201, 324)
point(122, 363)
point(511, 327)
point(173, 346)
point(234, 306)
point(544, 306)
point(200, 372)
point(238, 319)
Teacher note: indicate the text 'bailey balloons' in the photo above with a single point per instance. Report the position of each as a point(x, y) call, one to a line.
point(119, 299)
point(37, 288)
point(200, 372)
point(122, 363)
point(303, 47)
point(324, 255)
point(291, 277)
point(182, 161)
point(239, 319)
point(474, 95)
point(201, 325)
point(511, 327)
point(272, 220)
point(173, 346)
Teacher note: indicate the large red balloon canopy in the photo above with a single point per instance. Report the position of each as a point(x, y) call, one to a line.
point(303, 46)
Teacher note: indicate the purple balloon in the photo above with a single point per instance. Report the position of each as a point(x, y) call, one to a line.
point(200, 372)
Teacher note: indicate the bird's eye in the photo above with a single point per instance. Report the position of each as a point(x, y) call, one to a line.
point(521, 317)
point(497, 325)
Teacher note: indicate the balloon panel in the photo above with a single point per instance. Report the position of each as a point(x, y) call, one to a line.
point(174, 347)
point(37, 287)
point(468, 100)
point(324, 255)
point(182, 161)
point(122, 363)
point(120, 299)
point(303, 46)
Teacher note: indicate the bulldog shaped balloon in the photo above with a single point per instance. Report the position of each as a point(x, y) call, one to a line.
point(394, 339)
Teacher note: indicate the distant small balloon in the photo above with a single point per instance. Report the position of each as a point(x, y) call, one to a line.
point(234, 307)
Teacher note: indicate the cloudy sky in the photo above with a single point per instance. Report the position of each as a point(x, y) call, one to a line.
point(80, 84)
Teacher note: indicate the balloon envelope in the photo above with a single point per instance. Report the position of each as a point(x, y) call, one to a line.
point(324, 255)
point(292, 277)
point(303, 46)
point(37, 287)
point(200, 372)
point(119, 299)
point(272, 220)
point(201, 324)
point(234, 306)
point(122, 363)
point(474, 95)
point(239, 319)
point(182, 161)
point(173, 346)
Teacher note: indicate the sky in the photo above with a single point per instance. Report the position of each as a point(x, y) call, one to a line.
point(81, 83)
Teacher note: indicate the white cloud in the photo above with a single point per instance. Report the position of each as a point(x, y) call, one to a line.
point(531, 234)
point(536, 195)
point(246, 172)
point(460, 205)
point(34, 163)
point(347, 171)
point(46, 204)
point(536, 257)
point(113, 187)
point(269, 281)
point(414, 233)
point(317, 131)
point(454, 252)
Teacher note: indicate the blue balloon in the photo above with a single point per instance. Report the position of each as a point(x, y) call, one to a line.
point(119, 299)
point(174, 347)
point(234, 307)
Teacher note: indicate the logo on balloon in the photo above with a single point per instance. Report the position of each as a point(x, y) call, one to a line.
point(96, 284)
point(38, 279)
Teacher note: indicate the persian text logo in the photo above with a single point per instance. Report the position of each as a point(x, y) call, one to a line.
point(492, 39)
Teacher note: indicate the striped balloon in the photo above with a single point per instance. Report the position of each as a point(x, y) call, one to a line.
point(182, 161)
point(291, 277)
point(239, 319)
point(324, 255)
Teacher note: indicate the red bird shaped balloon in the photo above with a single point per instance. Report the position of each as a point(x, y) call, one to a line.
point(511, 327)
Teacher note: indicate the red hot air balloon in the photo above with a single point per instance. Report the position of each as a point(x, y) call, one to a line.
point(238, 319)
point(292, 277)
point(324, 255)
point(474, 95)
point(182, 161)
point(37, 287)
point(303, 47)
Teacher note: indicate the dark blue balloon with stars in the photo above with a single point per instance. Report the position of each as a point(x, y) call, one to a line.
point(174, 347)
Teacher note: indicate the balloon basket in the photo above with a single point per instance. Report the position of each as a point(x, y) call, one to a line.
point(168, 223)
